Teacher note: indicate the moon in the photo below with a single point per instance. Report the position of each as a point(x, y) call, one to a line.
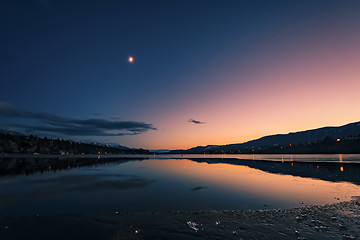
point(131, 59)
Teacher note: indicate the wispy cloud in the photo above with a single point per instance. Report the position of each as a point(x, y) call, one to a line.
point(55, 124)
point(195, 121)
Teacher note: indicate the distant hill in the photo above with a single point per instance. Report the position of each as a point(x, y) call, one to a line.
point(12, 142)
point(299, 142)
point(113, 145)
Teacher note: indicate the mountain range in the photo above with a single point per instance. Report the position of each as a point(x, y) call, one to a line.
point(342, 139)
point(301, 142)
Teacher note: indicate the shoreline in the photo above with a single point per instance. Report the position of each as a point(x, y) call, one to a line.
point(330, 221)
point(225, 157)
point(59, 156)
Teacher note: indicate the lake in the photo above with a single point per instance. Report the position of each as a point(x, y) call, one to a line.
point(32, 186)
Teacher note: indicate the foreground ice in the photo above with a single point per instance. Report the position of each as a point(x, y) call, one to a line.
point(336, 221)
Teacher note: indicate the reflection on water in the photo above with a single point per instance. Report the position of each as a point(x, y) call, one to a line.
point(23, 164)
point(329, 171)
point(346, 158)
point(28, 166)
point(170, 184)
point(92, 183)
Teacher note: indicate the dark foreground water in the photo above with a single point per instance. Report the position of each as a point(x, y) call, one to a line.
point(180, 197)
point(51, 186)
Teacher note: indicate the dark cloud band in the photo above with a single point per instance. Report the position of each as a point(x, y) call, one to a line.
point(55, 124)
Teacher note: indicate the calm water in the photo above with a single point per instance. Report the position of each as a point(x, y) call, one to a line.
point(341, 158)
point(176, 184)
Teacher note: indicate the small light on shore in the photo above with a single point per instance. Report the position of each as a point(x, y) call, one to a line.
point(338, 140)
point(131, 59)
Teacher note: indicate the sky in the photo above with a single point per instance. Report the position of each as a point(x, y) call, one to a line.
point(203, 72)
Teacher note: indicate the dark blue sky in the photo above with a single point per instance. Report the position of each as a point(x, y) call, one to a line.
point(69, 59)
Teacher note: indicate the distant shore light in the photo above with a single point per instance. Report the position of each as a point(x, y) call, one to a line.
point(131, 59)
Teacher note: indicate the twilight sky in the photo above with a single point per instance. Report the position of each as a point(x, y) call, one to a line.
point(204, 72)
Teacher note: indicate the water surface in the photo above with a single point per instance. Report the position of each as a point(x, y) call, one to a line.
point(126, 185)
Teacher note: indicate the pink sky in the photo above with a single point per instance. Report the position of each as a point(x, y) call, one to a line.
point(312, 86)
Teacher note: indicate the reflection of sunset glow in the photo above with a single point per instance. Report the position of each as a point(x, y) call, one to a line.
point(341, 169)
point(340, 158)
point(253, 181)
